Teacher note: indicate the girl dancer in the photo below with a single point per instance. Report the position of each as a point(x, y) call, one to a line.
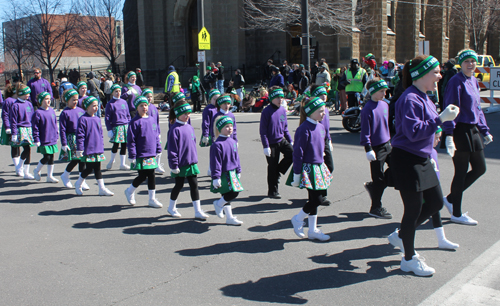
point(223, 106)
point(183, 158)
point(143, 145)
point(117, 119)
point(44, 125)
point(207, 120)
point(11, 97)
point(309, 169)
point(82, 93)
point(131, 91)
point(90, 146)
point(155, 115)
point(226, 169)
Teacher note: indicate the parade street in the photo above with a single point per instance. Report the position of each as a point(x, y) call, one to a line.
point(57, 248)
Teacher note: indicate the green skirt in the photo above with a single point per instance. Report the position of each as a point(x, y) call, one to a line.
point(94, 158)
point(230, 182)
point(119, 134)
point(210, 141)
point(4, 137)
point(189, 170)
point(24, 137)
point(144, 164)
point(71, 153)
point(313, 176)
point(47, 149)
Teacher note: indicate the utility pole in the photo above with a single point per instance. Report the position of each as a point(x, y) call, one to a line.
point(201, 24)
point(306, 58)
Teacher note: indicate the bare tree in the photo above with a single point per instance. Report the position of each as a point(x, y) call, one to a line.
point(100, 28)
point(341, 16)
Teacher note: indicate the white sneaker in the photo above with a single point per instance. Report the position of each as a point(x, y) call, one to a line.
point(78, 188)
point(28, 176)
point(160, 169)
point(110, 165)
point(233, 221)
point(174, 213)
point(124, 167)
point(200, 215)
point(448, 205)
point(105, 192)
point(463, 219)
point(65, 180)
point(130, 197)
point(396, 241)
point(447, 245)
point(317, 234)
point(85, 186)
point(155, 203)
point(20, 171)
point(218, 210)
point(36, 175)
point(51, 179)
point(298, 227)
point(417, 266)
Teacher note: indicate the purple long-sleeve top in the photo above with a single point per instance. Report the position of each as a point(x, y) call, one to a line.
point(21, 113)
point(68, 122)
point(130, 98)
point(89, 138)
point(224, 157)
point(181, 146)
point(309, 145)
point(38, 86)
point(44, 126)
point(207, 120)
point(416, 122)
point(434, 156)
point(463, 92)
point(230, 115)
point(326, 123)
point(6, 109)
point(80, 102)
point(117, 113)
point(273, 125)
point(153, 113)
point(142, 138)
point(374, 124)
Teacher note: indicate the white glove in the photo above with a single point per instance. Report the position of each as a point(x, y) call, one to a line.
point(79, 154)
point(449, 113)
point(267, 152)
point(296, 180)
point(110, 134)
point(239, 175)
point(176, 171)
point(291, 143)
point(14, 138)
point(38, 144)
point(434, 165)
point(8, 131)
point(237, 145)
point(205, 140)
point(450, 145)
point(371, 156)
point(331, 146)
point(129, 92)
point(488, 139)
point(217, 183)
point(65, 148)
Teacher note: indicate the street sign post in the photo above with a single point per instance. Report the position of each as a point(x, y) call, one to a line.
point(204, 39)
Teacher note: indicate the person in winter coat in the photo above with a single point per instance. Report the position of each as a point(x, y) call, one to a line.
point(277, 78)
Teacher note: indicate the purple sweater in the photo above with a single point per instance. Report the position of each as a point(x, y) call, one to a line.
point(416, 122)
point(89, 137)
point(273, 125)
point(464, 93)
point(309, 145)
point(142, 139)
point(44, 125)
point(38, 86)
point(181, 146)
point(230, 115)
point(6, 109)
point(68, 122)
point(117, 113)
point(374, 124)
point(130, 98)
point(224, 157)
point(80, 102)
point(207, 120)
point(21, 113)
point(326, 123)
point(153, 113)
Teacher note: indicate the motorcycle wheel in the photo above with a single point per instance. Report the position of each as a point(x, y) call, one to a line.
point(351, 124)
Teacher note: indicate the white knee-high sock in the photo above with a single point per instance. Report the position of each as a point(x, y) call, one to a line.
point(172, 205)
point(228, 211)
point(101, 184)
point(197, 205)
point(123, 158)
point(152, 194)
point(302, 215)
point(15, 160)
point(39, 167)
point(313, 222)
point(50, 170)
point(131, 188)
point(112, 159)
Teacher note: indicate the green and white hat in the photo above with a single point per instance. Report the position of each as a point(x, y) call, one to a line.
point(312, 105)
point(182, 109)
point(69, 94)
point(80, 84)
point(179, 96)
point(424, 67)
point(462, 56)
point(379, 85)
point(25, 91)
point(115, 87)
point(139, 100)
point(223, 99)
point(320, 90)
point(147, 91)
point(222, 121)
point(212, 93)
point(277, 93)
point(41, 96)
point(131, 74)
point(88, 101)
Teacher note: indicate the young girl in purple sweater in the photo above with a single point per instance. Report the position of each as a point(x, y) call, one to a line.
point(155, 115)
point(117, 119)
point(11, 97)
point(223, 106)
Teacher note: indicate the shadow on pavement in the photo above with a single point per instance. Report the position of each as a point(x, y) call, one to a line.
point(255, 246)
point(41, 195)
point(77, 211)
point(188, 226)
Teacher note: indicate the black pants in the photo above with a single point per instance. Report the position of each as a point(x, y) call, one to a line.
point(275, 167)
point(196, 99)
point(143, 175)
point(26, 155)
point(15, 151)
point(89, 167)
point(379, 179)
point(71, 165)
point(352, 100)
point(47, 159)
point(229, 196)
point(419, 206)
point(193, 187)
point(315, 199)
point(123, 148)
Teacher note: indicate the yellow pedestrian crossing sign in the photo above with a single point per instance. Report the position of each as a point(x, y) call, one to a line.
point(204, 39)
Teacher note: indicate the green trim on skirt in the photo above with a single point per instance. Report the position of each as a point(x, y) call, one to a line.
point(24, 137)
point(47, 149)
point(230, 182)
point(71, 154)
point(144, 164)
point(4, 138)
point(119, 134)
point(94, 158)
point(210, 141)
point(314, 176)
point(189, 170)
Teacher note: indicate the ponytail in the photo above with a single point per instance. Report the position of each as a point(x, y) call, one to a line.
point(407, 80)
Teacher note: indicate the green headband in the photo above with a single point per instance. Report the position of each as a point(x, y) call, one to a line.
point(179, 96)
point(377, 86)
point(69, 94)
point(146, 91)
point(223, 99)
point(80, 84)
point(182, 109)
point(233, 91)
point(313, 105)
point(25, 91)
point(139, 100)
point(223, 121)
point(277, 93)
point(321, 90)
point(115, 87)
point(212, 93)
point(131, 74)
point(424, 67)
point(41, 96)
point(462, 56)
point(439, 130)
point(88, 101)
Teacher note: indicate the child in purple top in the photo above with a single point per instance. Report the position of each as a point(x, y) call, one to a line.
point(68, 123)
point(183, 158)
point(82, 93)
point(143, 145)
point(375, 137)
point(155, 115)
point(226, 169)
point(44, 125)
point(117, 119)
point(309, 169)
point(275, 139)
point(207, 121)
point(131, 91)
point(223, 106)
point(90, 146)
point(20, 125)
point(11, 97)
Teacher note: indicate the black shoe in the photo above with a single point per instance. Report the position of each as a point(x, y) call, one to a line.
point(368, 187)
point(274, 195)
point(325, 202)
point(380, 212)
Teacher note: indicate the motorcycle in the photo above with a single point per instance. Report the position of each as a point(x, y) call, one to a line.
point(351, 118)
